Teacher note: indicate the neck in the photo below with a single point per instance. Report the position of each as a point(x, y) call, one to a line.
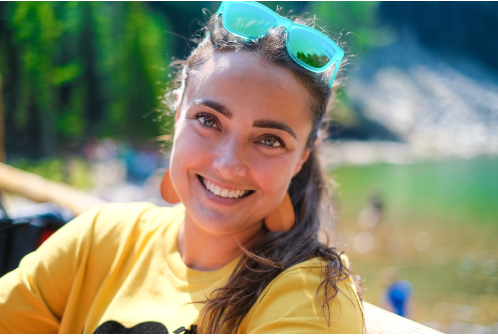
point(206, 251)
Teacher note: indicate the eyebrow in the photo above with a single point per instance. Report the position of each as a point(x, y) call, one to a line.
point(215, 106)
point(264, 123)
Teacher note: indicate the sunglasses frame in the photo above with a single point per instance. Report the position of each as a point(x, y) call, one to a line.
point(289, 27)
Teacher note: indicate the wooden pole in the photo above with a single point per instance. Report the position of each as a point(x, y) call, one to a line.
point(380, 321)
point(40, 190)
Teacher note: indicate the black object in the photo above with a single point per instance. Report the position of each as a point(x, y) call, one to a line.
point(6, 224)
point(114, 327)
point(21, 232)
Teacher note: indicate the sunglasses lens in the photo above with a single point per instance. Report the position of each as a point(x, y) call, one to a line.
point(247, 20)
point(309, 48)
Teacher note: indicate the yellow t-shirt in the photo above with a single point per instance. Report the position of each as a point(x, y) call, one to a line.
point(117, 269)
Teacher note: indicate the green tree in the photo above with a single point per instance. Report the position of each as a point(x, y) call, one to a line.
point(77, 69)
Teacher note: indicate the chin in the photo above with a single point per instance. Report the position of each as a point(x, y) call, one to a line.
point(216, 222)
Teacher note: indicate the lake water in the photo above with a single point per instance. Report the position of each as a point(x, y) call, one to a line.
point(437, 227)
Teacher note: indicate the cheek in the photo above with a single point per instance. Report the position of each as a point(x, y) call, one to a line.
point(273, 174)
point(189, 150)
point(189, 143)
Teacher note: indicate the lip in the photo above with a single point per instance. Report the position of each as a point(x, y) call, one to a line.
point(218, 199)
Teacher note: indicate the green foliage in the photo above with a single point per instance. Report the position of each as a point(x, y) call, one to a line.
point(77, 69)
point(356, 17)
point(316, 61)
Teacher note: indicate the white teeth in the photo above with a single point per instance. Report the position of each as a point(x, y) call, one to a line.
point(217, 191)
point(223, 192)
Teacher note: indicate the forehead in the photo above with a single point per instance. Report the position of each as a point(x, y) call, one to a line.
point(244, 81)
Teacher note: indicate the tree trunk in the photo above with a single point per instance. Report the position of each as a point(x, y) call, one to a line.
point(2, 130)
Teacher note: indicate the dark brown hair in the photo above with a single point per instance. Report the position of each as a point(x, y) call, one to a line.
point(275, 251)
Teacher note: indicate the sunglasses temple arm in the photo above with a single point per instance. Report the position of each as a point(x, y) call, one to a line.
point(220, 10)
point(336, 68)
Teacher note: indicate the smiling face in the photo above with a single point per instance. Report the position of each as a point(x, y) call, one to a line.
point(240, 136)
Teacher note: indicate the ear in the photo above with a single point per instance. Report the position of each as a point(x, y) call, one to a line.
point(302, 160)
point(319, 136)
point(177, 116)
point(177, 105)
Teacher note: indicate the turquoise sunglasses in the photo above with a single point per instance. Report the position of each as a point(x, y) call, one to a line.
point(307, 46)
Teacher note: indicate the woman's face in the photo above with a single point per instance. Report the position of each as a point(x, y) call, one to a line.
point(240, 136)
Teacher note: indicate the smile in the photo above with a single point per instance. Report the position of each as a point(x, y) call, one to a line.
point(222, 192)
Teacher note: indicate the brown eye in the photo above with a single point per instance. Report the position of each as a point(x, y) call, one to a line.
point(208, 121)
point(271, 142)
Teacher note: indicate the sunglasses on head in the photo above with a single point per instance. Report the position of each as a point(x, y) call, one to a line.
point(307, 46)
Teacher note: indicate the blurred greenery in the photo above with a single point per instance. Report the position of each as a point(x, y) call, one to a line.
point(75, 172)
point(463, 190)
point(356, 22)
point(73, 70)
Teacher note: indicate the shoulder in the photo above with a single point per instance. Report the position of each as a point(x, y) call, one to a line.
point(107, 227)
point(118, 217)
point(102, 237)
point(293, 301)
point(113, 213)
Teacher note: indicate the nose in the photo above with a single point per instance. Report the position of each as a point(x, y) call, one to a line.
point(230, 159)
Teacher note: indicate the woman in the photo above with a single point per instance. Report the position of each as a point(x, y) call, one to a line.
point(241, 252)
